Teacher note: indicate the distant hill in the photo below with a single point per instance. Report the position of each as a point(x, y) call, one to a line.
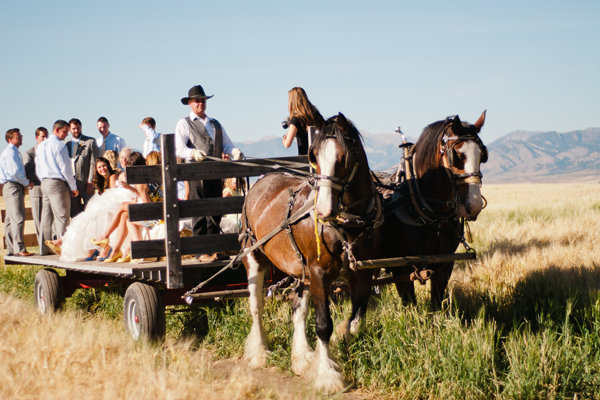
point(520, 156)
point(544, 157)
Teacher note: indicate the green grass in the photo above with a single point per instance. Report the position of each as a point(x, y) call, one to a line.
point(531, 347)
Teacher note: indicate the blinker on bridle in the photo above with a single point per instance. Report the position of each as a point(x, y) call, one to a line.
point(447, 152)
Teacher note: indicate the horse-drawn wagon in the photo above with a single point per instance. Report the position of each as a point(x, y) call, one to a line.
point(307, 224)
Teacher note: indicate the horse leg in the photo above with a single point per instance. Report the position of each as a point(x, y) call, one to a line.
point(439, 282)
point(255, 350)
point(302, 354)
point(406, 290)
point(328, 379)
point(360, 291)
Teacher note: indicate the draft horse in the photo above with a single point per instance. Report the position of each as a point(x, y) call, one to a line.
point(439, 188)
point(313, 228)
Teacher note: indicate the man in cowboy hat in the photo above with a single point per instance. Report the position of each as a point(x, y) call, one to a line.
point(196, 137)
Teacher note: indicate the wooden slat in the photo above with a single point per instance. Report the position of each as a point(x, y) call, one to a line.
point(204, 244)
point(28, 214)
point(214, 169)
point(172, 243)
point(188, 208)
point(410, 260)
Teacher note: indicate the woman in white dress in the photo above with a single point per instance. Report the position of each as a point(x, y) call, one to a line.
point(98, 214)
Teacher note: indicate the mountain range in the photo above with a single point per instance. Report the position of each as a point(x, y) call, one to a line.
point(520, 156)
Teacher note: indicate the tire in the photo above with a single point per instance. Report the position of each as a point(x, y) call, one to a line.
point(143, 312)
point(48, 290)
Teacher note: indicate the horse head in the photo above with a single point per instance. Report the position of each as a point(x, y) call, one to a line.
point(341, 168)
point(462, 153)
point(453, 152)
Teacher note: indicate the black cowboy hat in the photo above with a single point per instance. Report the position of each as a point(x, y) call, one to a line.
point(195, 93)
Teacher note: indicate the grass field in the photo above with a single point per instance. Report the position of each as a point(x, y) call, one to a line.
point(520, 322)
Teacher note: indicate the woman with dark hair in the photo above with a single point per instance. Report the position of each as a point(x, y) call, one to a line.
point(97, 216)
point(302, 115)
point(105, 176)
point(120, 221)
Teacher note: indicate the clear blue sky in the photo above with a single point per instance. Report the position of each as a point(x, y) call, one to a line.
point(534, 65)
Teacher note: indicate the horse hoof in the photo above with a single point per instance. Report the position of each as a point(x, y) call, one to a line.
point(329, 383)
point(301, 363)
point(256, 360)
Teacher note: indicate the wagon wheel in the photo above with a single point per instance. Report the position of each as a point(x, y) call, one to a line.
point(48, 290)
point(143, 312)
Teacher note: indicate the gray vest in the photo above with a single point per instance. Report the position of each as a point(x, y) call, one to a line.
point(201, 140)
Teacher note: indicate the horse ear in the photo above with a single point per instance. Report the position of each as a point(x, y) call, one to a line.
point(481, 120)
point(340, 119)
point(456, 122)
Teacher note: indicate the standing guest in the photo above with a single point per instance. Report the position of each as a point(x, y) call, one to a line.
point(12, 175)
point(196, 137)
point(302, 115)
point(35, 193)
point(83, 152)
point(53, 167)
point(152, 141)
point(108, 140)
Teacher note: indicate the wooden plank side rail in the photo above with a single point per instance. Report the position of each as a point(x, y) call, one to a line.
point(171, 210)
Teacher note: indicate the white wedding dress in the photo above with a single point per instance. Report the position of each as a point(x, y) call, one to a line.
point(92, 222)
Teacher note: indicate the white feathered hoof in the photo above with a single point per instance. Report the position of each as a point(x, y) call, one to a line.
point(301, 362)
point(255, 351)
point(327, 378)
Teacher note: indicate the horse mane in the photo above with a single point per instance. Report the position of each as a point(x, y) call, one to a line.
point(340, 128)
point(428, 154)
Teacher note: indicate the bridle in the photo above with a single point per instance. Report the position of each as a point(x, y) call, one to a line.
point(343, 217)
point(447, 150)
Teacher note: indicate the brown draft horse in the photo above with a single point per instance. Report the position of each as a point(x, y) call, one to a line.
point(348, 210)
point(445, 162)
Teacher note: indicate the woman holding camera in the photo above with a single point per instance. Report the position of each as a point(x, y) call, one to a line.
point(302, 115)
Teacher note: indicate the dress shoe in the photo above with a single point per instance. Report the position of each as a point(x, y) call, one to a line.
point(106, 256)
point(100, 242)
point(125, 258)
point(93, 256)
point(24, 253)
point(114, 258)
point(52, 247)
point(205, 258)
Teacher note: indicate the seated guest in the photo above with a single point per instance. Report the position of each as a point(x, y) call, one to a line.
point(120, 220)
point(104, 175)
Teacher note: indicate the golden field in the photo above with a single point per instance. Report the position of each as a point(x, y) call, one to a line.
point(537, 248)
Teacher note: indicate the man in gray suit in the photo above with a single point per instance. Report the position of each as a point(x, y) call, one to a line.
point(35, 193)
point(53, 167)
point(83, 152)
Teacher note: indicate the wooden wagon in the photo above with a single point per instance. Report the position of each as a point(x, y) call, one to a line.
point(153, 285)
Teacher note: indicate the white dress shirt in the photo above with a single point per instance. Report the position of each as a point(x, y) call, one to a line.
point(11, 166)
point(182, 137)
point(52, 161)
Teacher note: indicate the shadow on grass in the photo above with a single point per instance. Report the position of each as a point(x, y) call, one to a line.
point(542, 296)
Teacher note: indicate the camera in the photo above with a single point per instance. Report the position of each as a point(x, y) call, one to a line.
point(285, 123)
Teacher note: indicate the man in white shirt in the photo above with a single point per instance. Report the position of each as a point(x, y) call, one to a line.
point(108, 140)
point(196, 137)
point(53, 167)
point(14, 180)
point(152, 141)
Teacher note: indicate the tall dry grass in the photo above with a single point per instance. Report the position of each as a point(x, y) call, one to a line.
point(69, 356)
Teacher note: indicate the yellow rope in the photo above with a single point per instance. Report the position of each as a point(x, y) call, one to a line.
point(318, 239)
